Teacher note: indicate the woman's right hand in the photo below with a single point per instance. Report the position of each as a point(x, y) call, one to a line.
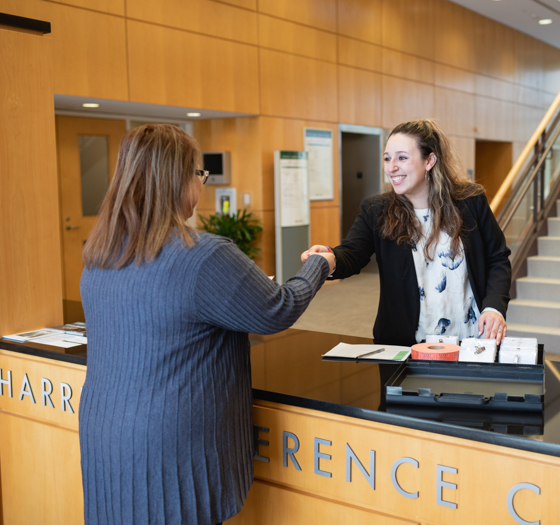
point(316, 248)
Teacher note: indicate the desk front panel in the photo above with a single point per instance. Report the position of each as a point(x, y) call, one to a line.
point(41, 479)
point(400, 473)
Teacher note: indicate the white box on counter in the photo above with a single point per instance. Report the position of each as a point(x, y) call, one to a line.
point(519, 350)
point(478, 350)
point(451, 339)
point(518, 356)
point(522, 342)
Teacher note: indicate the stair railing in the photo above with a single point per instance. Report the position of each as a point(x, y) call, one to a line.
point(528, 193)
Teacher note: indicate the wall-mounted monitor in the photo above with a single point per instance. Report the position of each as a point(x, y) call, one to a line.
point(218, 163)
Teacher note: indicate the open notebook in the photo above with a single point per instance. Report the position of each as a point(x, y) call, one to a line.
point(368, 352)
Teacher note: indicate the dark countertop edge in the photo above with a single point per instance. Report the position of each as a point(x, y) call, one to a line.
point(37, 352)
point(25, 23)
point(434, 427)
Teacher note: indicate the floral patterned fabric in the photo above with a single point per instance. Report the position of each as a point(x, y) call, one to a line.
point(447, 305)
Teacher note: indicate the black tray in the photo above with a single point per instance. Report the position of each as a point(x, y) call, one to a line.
point(486, 386)
point(516, 423)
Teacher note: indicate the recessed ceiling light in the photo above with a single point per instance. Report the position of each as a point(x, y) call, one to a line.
point(545, 21)
point(193, 114)
point(90, 105)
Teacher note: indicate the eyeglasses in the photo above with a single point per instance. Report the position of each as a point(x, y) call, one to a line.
point(203, 174)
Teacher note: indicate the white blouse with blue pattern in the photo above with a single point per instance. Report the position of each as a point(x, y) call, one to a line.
point(447, 304)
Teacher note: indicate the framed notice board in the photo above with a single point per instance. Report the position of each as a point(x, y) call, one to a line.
point(291, 200)
point(318, 143)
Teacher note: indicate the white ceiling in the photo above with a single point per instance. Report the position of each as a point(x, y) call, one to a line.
point(66, 104)
point(522, 15)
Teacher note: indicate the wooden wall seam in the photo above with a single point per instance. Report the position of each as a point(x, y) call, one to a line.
point(307, 57)
point(297, 23)
point(234, 5)
point(127, 51)
point(40, 421)
point(83, 8)
point(191, 31)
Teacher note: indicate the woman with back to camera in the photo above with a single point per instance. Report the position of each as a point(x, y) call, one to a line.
point(165, 413)
point(443, 260)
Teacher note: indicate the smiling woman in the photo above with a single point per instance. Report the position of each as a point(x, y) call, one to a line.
point(442, 258)
point(407, 169)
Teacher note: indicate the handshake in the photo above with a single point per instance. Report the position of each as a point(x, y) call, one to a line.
point(323, 251)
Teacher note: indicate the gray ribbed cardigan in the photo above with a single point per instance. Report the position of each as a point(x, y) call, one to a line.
point(165, 413)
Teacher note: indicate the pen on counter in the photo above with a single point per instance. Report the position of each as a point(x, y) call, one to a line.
point(370, 353)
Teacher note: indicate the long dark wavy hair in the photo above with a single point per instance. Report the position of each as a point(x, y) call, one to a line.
point(447, 182)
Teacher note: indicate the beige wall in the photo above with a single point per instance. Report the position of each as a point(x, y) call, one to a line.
point(296, 63)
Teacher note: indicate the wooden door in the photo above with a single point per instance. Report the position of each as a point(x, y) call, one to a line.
point(493, 160)
point(81, 191)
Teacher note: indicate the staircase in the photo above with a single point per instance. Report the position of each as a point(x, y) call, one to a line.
point(536, 310)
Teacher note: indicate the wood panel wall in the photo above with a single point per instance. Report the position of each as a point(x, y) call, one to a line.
point(296, 62)
point(30, 263)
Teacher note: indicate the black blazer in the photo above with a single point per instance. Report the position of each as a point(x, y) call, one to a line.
point(486, 253)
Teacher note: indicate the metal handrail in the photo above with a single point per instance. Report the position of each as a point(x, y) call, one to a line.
point(531, 176)
point(532, 231)
point(508, 211)
point(508, 181)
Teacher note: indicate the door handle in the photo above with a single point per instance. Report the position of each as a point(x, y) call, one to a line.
point(68, 227)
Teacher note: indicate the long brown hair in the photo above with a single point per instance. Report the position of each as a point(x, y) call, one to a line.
point(147, 197)
point(447, 183)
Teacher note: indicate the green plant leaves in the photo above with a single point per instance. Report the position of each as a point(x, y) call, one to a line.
point(242, 228)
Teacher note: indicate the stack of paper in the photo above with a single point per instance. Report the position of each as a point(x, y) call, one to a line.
point(369, 352)
point(48, 337)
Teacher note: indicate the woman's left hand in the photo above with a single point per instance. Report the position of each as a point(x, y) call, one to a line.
point(495, 325)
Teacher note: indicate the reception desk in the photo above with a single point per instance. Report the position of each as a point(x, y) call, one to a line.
point(328, 449)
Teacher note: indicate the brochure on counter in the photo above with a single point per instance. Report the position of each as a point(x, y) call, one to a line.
point(77, 328)
point(49, 337)
point(345, 351)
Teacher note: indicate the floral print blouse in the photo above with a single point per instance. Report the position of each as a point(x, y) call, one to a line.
point(447, 305)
